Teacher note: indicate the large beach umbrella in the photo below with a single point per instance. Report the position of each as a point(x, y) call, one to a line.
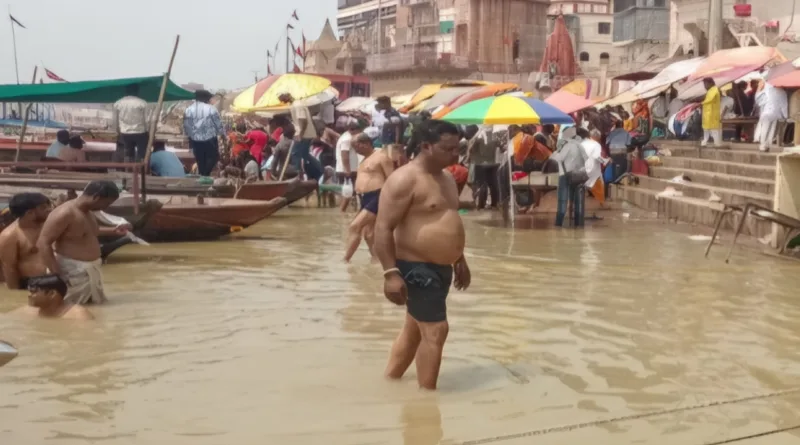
point(507, 110)
point(495, 89)
point(785, 75)
point(263, 95)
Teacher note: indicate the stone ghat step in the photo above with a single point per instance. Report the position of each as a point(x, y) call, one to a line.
point(734, 182)
point(687, 210)
point(703, 191)
point(746, 146)
point(729, 168)
point(721, 154)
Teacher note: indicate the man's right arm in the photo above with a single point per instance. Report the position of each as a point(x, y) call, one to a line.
point(9, 256)
point(395, 201)
point(52, 230)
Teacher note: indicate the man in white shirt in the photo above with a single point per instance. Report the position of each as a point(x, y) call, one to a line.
point(347, 159)
point(130, 123)
point(305, 132)
point(594, 164)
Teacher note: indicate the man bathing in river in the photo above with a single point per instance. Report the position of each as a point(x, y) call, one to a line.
point(46, 300)
point(69, 246)
point(18, 252)
point(419, 240)
point(372, 174)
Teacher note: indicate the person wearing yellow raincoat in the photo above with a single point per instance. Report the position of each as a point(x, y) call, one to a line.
point(712, 115)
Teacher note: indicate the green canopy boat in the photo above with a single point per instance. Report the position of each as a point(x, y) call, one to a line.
point(93, 91)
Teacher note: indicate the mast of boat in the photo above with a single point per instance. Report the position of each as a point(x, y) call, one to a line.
point(156, 114)
point(14, 24)
point(25, 120)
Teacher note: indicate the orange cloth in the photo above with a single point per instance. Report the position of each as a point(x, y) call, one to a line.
point(238, 144)
point(525, 146)
point(599, 191)
point(460, 174)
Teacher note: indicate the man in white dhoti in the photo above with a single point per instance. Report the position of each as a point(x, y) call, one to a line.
point(69, 246)
point(774, 106)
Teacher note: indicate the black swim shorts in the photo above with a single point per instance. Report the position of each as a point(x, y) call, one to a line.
point(369, 201)
point(428, 285)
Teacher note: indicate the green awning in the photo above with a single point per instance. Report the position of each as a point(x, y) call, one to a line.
point(446, 26)
point(92, 91)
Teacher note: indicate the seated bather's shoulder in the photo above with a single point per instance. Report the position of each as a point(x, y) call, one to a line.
point(78, 312)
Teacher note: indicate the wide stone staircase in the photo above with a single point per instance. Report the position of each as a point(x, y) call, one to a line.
point(736, 173)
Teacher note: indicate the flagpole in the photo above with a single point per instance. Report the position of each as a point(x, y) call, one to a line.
point(287, 48)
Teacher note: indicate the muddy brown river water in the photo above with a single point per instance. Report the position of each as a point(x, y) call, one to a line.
point(268, 338)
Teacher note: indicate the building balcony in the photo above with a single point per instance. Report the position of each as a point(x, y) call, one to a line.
point(416, 59)
point(641, 24)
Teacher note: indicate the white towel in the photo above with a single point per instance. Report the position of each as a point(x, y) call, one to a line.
point(84, 280)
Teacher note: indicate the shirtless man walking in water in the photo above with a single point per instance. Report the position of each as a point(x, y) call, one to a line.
point(372, 174)
point(72, 229)
point(18, 252)
point(419, 240)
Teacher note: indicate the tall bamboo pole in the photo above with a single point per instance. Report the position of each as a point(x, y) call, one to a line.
point(25, 120)
point(154, 121)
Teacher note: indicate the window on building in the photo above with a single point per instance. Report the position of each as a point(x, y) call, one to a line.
point(660, 3)
point(584, 57)
point(515, 50)
point(604, 57)
point(584, 8)
point(604, 28)
point(600, 9)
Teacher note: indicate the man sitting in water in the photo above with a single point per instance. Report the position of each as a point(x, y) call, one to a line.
point(73, 229)
point(372, 174)
point(46, 300)
point(419, 240)
point(18, 253)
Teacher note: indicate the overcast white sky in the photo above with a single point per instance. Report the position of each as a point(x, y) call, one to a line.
point(222, 41)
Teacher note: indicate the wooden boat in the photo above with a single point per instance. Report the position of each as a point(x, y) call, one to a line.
point(263, 190)
point(184, 218)
point(298, 190)
point(78, 181)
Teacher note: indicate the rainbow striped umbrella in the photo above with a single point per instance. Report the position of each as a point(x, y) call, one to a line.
point(507, 110)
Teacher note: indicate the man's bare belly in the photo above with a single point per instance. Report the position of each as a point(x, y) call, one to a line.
point(369, 181)
point(31, 265)
point(436, 238)
point(82, 249)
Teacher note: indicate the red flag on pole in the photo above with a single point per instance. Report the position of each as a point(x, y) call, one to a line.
point(296, 68)
point(299, 52)
point(294, 15)
point(53, 76)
